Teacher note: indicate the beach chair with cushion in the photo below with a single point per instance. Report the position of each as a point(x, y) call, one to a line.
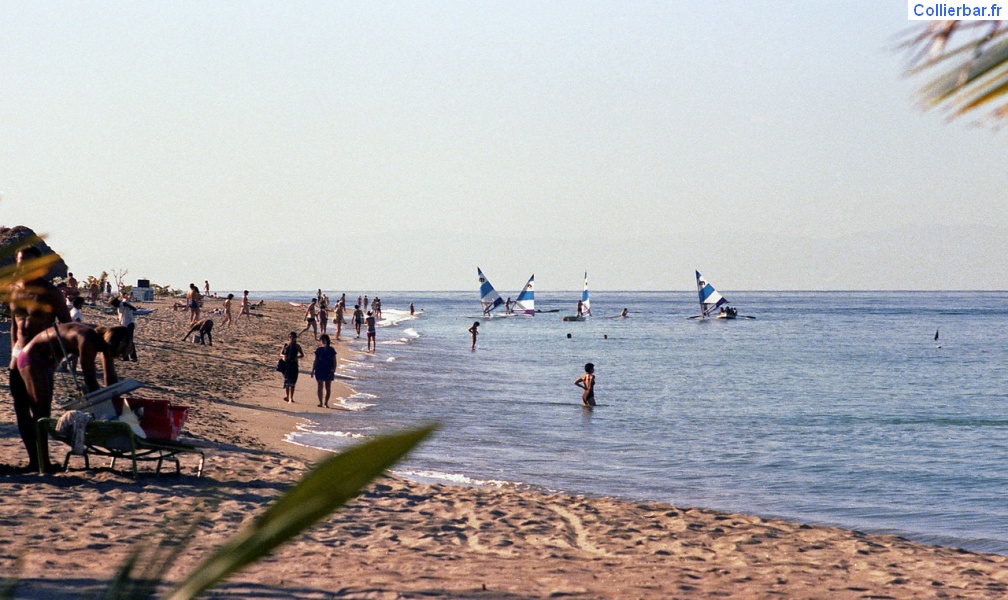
point(156, 441)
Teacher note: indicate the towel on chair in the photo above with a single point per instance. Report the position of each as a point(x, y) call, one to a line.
point(73, 424)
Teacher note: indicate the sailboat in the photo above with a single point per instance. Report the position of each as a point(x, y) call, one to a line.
point(525, 304)
point(584, 305)
point(711, 300)
point(489, 298)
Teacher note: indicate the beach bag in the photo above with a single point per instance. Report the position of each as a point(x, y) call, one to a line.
point(281, 365)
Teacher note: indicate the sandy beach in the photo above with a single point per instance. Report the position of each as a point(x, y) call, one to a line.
point(64, 535)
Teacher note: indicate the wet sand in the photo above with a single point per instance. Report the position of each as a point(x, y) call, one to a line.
point(64, 535)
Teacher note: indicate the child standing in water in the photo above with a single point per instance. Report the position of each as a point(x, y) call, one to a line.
point(474, 330)
point(587, 383)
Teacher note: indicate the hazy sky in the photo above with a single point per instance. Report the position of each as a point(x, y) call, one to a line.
point(364, 146)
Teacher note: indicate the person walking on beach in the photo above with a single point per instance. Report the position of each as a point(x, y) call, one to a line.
point(358, 318)
point(587, 383)
point(474, 330)
point(309, 318)
point(227, 311)
point(35, 304)
point(324, 369)
point(290, 354)
point(372, 343)
point(245, 310)
point(323, 316)
point(339, 319)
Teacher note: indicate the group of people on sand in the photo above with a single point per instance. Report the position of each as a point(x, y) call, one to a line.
point(316, 319)
point(47, 328)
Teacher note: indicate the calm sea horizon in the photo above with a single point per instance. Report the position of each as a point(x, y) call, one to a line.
point(835, 408)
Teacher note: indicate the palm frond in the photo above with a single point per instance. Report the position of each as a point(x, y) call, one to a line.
point(976, 70)
point(328, 486)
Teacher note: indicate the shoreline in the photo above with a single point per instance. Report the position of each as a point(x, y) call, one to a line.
point(406, 539)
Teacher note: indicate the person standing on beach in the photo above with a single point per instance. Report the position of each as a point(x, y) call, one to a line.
point(227, 311)
point(324, 369)
point(125, 311)
point(309, 318)
point(358, 318)
point(587, 383)
point(35, 304)
point(76, 315)
point(290, 354)
point(193, 302)
point(206, 288)
point(474, 330)
point(372, 343)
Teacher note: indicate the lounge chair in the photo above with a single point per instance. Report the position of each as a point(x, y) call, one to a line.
point(117, 439)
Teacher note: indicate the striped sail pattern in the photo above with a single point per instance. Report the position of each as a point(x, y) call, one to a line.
point(489, 297)
point(526, 299)
point(585, 302)
point(710, 299)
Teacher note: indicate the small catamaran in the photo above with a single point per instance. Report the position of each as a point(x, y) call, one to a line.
point(711, 300)
point(584, 305)
point(489, 298)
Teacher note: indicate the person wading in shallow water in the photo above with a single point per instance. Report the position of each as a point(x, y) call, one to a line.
point(587, 383)
point(35, 305)
point(474, 330)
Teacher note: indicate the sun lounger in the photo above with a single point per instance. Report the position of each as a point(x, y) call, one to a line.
point(116, 439)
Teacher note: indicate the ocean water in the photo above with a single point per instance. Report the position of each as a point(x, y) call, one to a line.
point(833, 408)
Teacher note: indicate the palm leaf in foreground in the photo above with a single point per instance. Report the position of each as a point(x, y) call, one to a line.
point(328, 486)
point(975, 71)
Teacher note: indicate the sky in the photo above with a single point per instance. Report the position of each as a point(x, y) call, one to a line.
point(356, 146)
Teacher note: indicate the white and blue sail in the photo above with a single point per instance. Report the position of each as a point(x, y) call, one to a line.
point(585, 301)
point(710, 299)
point(489, 298)
point(525, 304)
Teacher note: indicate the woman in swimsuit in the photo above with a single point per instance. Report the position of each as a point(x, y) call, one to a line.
point(587, 383)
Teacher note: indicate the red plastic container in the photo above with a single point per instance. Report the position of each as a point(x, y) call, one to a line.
point(160, 420)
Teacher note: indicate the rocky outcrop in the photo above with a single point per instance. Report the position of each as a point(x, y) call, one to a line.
point(12, 238)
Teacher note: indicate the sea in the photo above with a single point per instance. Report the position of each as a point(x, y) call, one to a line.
point(831, 408)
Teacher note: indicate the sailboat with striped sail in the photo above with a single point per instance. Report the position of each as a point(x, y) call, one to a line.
point(489, 298)
point(584, 306)
point(711, 300)
point(525, 303)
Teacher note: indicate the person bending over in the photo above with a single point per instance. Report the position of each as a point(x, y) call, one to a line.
point(36, 364)
point(204, 328)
